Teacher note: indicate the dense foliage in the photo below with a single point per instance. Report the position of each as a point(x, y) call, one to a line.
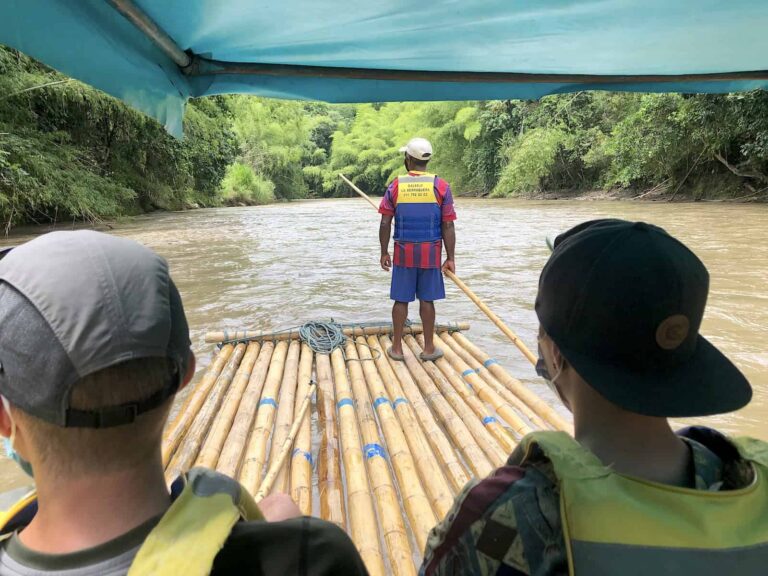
point(69, 151)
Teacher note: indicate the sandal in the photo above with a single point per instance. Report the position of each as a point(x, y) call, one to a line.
point(394, 355)
point(436, 355)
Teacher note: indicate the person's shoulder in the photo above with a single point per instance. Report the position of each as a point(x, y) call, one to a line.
point(303, 545)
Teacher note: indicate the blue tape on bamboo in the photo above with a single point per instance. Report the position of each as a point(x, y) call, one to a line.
point(269, 401)
point(371, 450)
point(490, 361)
point(489, 420)
point(300, 452)
point(467, 372)
point(399, 400)
point(345, 402)
point(379, 401)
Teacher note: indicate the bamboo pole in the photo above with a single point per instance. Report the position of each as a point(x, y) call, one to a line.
point(209, 453)
point(360, 507)
point(493, 317)
point(387, 503)
point(301, 457)
point(477, 427)
point(256, 451)
point(535, 420)
point(462, 438)
point(282, 451)
point(328, 461)
point(452, 364)
point(443, 449)
point(232, 451)
point(189, 448)
point(516, 387)
point(230, 336)
point(356, 189)
point(437, 487)
point(412, 494)
point(285, 412)
point(178, 428)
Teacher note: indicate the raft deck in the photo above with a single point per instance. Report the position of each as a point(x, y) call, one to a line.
point(385, 445)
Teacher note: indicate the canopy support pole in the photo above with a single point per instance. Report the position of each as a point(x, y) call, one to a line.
point(151, 30)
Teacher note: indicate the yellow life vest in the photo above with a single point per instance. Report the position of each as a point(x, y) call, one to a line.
point(620, 525)
point(189, 535)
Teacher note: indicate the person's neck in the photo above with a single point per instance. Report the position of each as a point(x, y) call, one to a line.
point(634, 445)
point(85, 511)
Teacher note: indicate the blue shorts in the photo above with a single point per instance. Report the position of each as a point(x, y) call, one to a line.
point(410, 283)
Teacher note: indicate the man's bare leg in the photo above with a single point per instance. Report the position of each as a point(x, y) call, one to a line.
point(399, 316)
point(427, 313)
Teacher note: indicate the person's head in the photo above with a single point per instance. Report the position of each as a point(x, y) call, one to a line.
point(94, 345)
point(418, 153)
point(620, 305)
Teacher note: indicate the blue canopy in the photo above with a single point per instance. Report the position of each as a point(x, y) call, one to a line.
point(156, 54)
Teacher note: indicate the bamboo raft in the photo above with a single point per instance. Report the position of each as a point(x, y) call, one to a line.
point(376, 446)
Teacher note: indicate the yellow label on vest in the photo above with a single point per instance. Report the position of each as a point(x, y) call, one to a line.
point(416, 193)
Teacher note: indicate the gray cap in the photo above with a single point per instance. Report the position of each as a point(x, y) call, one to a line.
point(74, 303)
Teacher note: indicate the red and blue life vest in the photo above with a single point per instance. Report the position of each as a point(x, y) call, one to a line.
point(418, 216)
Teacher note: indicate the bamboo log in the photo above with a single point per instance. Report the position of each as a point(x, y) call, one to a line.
point(352, 331)
point(285, 412)
point(516, 387)
point(473, 455)
point(435, 484)
point(493, 317)
point(189, 448)
point(301, 457)
point(209, 453)
point(278, 463)
point(178, 428)
point(328, 461)
point(360, 507)
point(476, 425)
point(470, 381)
point(443, 449)
point(387, 503)
point(535, 420)
point(256, 451)
point(412, 494)
point(232, 450)
point(475, 402)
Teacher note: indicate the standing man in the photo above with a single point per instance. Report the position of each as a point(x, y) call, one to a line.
point(422, 206)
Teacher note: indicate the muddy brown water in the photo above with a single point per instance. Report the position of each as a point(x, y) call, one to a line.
point(278, 266)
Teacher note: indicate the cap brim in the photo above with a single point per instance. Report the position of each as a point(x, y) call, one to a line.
point(708, 383)
point(404, 149)
point(4, 251)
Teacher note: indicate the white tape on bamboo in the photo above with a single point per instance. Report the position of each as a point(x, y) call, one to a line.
point(234, 446)
point(360, 506)
point(437, 487)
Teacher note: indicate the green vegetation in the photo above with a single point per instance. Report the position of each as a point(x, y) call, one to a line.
point(68, 151)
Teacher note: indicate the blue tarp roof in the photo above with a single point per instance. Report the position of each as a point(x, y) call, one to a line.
point(392, 50)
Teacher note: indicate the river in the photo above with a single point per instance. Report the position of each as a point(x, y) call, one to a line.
point(278, 266)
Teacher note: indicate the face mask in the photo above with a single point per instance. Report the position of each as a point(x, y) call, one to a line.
point(10, 451)
point(543, 371)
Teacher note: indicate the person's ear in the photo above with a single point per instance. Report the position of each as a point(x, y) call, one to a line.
point(5, 422)
point(190, 371)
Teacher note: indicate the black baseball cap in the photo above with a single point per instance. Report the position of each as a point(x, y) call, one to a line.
point(624, 301)
point(74, 303)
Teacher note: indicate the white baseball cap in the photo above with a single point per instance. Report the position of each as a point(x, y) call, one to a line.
point(418, 148)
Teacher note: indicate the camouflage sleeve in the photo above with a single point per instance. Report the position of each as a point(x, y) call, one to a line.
point(479, 535)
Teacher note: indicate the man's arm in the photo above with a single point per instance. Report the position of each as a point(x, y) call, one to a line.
point(449, 238)
point(385, 231)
